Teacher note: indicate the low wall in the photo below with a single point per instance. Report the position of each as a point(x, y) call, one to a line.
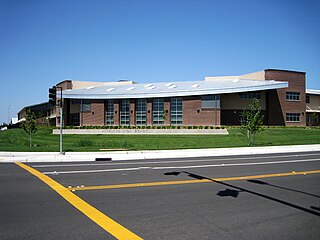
point(143, 131)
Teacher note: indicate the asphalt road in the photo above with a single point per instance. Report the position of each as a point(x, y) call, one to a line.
point(241, 197)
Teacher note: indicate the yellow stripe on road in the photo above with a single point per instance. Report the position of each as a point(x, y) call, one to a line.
point(150, 184)
point(108, 224)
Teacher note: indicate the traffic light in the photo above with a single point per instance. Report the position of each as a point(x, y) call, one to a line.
point(53, 95)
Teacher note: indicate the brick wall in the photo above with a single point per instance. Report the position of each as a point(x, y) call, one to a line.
point(195, 116)
point(166, 104)
point(132, 112)
point(116, 112)
point(278, 106)
point(95, 117)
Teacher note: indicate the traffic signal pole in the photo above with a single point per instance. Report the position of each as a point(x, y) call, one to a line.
point(61, 112)
point(53, 101)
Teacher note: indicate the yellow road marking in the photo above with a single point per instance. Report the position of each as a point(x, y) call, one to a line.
point(149, 184)
point(108, 224)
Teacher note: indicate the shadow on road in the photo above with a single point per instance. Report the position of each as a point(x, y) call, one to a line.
point(236, 190)
point(284, 188)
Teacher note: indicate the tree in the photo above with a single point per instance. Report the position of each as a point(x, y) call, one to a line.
point(253, 120)
point(29, 126)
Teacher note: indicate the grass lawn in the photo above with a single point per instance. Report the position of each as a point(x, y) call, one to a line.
point(17, 140)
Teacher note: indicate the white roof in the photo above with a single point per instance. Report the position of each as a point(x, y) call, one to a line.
point(173, 89)
point(313, 91)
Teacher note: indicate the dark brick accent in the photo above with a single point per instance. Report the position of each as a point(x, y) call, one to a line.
point(277, 104)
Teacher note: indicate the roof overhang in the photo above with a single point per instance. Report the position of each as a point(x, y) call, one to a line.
point(175, 89)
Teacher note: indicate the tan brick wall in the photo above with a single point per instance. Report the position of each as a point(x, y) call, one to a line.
point(193, 115)
point(278, 106)
point(233, 101)
point(314, 102)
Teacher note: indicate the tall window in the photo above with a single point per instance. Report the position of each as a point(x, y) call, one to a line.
point(109, 112)
point(125, 112)
point(141, 112)
point(292, 96)
point(293, 117)
point(157, 111)
point(176, 111)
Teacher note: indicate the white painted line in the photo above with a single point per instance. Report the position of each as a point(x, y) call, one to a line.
point(179, 167)
point(96, 171)
point(235, 164)
point(178, 161)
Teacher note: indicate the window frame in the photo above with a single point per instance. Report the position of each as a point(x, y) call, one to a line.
point(109, 112)
point(141, 112)
point(292, 96)
point(125, 112)
point(293, 117)
point(157, 111)
point(176, 111)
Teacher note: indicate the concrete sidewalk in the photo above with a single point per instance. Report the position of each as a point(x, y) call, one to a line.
point(158, 154)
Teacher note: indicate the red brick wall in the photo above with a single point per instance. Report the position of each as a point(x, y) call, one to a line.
point(149, 112)
point(195, 116)
point(95, 117)
point(167, 121)
point(132, 112)
point(116, 112)
point(278, 106)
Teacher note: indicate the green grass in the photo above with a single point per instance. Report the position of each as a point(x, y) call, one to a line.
point(43, 140)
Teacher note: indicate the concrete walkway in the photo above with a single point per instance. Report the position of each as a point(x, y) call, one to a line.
point(158, 154)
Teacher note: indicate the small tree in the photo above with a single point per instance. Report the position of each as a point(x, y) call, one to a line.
point(29, 126)
point(253, 120)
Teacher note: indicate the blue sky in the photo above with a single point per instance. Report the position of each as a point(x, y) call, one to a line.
point(43, 42)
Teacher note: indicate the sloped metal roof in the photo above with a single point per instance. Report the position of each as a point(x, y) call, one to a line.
point(173, 89)
point(313, 91)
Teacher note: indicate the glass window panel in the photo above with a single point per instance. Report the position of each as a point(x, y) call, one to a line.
point(157, 112)
point(141, 112)
point(109, 112)
point(176, 111)
point(125, 112)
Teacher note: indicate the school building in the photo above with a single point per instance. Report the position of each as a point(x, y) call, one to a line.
point(213, 101)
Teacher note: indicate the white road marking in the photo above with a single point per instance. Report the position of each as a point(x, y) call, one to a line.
point(178, 161)
point(181, 167)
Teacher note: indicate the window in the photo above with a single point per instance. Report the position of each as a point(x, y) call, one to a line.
point(250, 95)
point(109, 112)
point(125, 112)
point(75, 119)
point(141, 112)
point(210, 101)
point(293, 117)
point(307, 99)
point(176, 111)
point(157, 111)
point(75, 101)
point(292, 96)
point(85, 106)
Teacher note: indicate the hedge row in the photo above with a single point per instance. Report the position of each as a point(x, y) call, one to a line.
point(143, 127)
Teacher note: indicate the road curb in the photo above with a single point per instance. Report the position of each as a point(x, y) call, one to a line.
point(6, 157)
